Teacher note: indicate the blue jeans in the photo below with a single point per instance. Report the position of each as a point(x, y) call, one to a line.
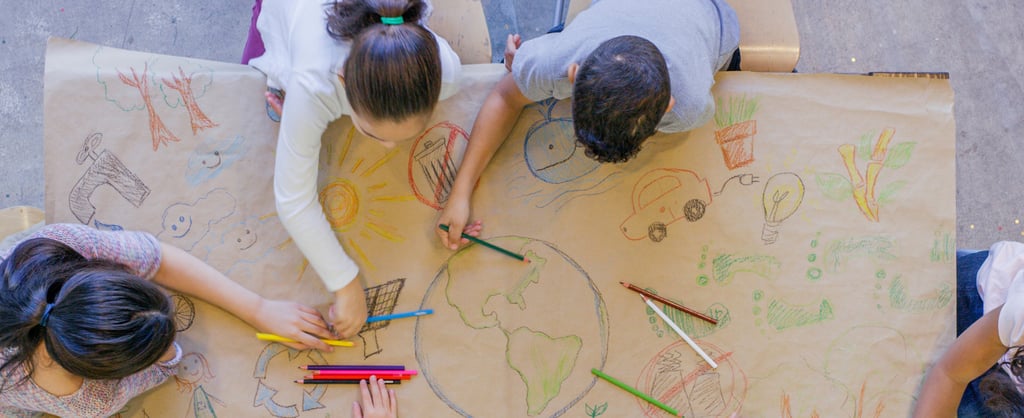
point(968, 310)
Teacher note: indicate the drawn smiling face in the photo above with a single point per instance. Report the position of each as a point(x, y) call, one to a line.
point(211, 160)
point(213, 156)
point(242, 237)
point(177, 225)
point(552, 153)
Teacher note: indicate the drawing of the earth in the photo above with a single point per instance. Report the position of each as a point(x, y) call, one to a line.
point(509, 338)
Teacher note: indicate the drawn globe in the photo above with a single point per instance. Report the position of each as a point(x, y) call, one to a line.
point(509, 338)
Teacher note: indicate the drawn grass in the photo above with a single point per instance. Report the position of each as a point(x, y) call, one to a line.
point(736, 109)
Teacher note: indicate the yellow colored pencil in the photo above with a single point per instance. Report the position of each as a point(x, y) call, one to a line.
point(280, 339)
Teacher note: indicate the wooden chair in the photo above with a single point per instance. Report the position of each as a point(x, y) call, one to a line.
point(15, 219)
point(463, 24)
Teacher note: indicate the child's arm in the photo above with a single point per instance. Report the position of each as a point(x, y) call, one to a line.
point(974, 352)
point(182, 272)
point(497, 116)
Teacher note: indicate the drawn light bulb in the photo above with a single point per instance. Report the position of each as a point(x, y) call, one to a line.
point(783, 194)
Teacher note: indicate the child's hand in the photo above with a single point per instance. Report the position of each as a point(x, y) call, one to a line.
point(455, 215)
point(348, 313)
point(293, 320)
point(275, 100)
point(511, 46)
point(378, 401)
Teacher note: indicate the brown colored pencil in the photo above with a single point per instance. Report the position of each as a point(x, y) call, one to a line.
point(669, 303)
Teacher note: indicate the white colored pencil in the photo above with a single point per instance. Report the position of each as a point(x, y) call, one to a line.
point(680, 332)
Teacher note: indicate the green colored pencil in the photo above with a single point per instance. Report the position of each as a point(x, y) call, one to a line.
point(444, 227)
point(635, 392)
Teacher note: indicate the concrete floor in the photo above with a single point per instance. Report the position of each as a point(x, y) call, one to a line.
point(980, 43)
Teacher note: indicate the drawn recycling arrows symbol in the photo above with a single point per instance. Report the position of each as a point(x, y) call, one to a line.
point(265, 394)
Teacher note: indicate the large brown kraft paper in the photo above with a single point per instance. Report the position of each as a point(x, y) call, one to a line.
point(814, 218)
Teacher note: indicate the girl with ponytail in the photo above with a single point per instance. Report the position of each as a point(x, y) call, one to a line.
point(373, 60)
point(84, 327)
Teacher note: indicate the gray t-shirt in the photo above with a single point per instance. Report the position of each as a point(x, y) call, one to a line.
point(697, 38)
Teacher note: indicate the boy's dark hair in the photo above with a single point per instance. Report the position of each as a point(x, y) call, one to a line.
point(619, 96)
point(393, 71)
point(105, 323)
point(998, 390)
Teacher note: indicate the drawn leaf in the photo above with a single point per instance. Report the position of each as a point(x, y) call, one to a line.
point(834, 186)
point(899, 155)
point(590, 410)
point(601, 409)
point(887, 192)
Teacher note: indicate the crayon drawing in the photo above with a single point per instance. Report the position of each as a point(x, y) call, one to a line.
point(380, 300)
point(185, 224)
point(187, 94)
point(193, 370)
point(736, 129)
point(105, 169)
point(880, 154)
point(596, 410)
point(505, 333)
point(213, 156)
point(433, 162)
point(553, 156)
point(691, 325)
point(872, 389)
point(270, 397)
point(660, 198)
point(899, 296)
point(679, 378)
point(745, 179)
point(783, 193)
point(358, 207)
point(840, 253)
point(781, 315)
point(184, 312)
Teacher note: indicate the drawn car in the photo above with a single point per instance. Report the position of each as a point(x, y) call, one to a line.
point(662, 197)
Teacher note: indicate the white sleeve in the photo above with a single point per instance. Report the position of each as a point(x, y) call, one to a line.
point(451, 68)
point(304, 119)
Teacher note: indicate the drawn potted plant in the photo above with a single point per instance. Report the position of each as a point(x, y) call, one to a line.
point(735, 129)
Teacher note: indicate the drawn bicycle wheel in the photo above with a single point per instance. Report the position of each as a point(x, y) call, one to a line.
point(184, 312)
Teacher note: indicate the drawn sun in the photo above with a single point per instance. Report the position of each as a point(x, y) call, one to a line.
point(356, 209)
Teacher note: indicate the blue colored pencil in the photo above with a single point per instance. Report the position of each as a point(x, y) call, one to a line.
point(399, 315)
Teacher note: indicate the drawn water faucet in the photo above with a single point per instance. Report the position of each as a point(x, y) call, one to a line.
point(106, 169)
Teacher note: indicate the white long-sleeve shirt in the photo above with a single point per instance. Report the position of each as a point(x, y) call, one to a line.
point(302, 59)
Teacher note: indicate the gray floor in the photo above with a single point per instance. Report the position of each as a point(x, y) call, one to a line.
point(979, 42)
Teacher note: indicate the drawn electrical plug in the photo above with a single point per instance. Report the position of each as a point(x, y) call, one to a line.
point(745, 179)
point(106, 169)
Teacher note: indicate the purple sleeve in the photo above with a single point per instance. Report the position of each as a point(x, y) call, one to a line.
point(140, 251)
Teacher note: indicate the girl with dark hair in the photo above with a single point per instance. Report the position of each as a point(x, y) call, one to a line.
point(84, 327)
point(373, 60)
point(982, 373)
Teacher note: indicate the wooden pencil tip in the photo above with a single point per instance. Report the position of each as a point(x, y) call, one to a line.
point(624, 285)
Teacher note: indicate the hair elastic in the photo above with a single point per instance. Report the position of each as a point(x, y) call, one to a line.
point(392, 20)
point(46, 315)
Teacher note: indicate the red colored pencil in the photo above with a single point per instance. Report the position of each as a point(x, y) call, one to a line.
point(358, 377)
point(669, 303)
point(366, 372)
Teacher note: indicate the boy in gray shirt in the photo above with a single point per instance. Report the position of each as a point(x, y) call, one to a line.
point(631, 68)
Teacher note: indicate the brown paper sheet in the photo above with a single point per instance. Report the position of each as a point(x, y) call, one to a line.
point(814, 218)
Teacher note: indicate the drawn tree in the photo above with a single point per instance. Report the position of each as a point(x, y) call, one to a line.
point(187, 90)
